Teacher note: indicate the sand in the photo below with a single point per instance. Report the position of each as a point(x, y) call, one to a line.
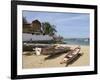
point(34, 61)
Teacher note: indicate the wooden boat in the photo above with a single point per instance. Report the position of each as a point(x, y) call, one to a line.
point(45, 49)
point(53, 50)
point(71, 55)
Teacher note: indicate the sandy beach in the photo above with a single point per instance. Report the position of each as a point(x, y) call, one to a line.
point(34, 61)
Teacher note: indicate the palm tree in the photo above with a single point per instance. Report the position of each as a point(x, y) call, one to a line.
point(48, 28)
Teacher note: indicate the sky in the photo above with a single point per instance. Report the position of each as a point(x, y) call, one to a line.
point(68, 25)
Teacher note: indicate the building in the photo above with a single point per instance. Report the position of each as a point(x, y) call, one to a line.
point(33, 28)
point(36, 38)
point(33, 33)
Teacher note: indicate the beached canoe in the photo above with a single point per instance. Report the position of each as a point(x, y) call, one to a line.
point(46, 49)
point(54, 51)
point(71, 55)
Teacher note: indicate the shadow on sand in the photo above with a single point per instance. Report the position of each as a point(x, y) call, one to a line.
point(54, 55)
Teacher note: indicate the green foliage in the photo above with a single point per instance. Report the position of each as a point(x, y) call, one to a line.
point(48, 28)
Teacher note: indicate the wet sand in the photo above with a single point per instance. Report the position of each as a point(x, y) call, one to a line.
point(34, 61)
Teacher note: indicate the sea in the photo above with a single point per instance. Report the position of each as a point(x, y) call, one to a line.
point(77, 41)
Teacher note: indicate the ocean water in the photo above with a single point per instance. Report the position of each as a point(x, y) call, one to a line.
point(77, 41)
